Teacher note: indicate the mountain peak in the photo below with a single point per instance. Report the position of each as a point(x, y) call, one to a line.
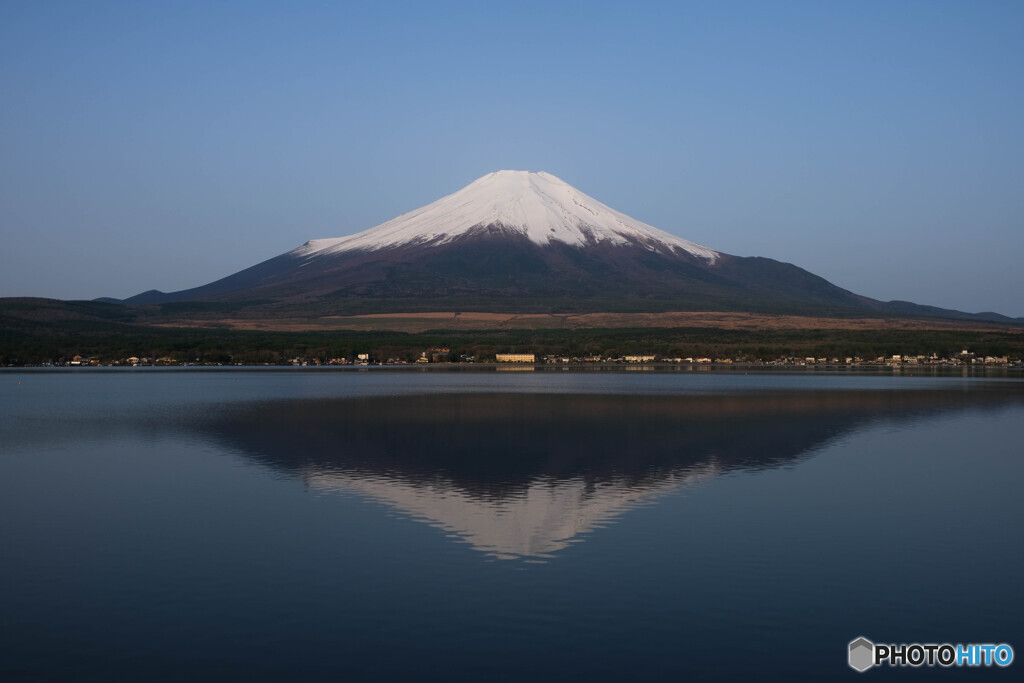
point(537, 205)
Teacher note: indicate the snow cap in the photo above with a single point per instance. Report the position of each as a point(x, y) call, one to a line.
point(538, 205)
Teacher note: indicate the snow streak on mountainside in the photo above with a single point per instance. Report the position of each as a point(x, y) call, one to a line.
point(538, 205)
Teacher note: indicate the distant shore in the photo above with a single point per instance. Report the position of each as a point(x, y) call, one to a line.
point(52, 333)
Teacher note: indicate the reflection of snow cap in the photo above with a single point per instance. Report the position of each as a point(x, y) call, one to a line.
point(537, 205)
point(541, 520)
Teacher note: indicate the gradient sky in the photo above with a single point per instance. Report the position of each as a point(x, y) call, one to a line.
point(167, 144)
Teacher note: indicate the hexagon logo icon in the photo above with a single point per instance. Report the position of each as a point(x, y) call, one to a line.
point(862, 654)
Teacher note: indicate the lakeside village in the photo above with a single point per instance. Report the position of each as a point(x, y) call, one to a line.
point(443, 356)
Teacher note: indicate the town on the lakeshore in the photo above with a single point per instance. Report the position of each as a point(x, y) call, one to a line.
point(444, 356)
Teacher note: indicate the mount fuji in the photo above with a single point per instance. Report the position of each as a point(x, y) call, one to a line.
point(520, 241)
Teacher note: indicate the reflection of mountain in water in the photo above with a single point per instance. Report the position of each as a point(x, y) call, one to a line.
point(521, 475)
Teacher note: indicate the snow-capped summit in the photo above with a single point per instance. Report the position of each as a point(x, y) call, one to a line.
point(539, 206)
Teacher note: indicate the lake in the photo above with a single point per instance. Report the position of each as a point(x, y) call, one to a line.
point(489, 525)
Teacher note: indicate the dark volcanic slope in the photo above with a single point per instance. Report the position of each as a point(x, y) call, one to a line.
point(510, 270)
point(492, 271)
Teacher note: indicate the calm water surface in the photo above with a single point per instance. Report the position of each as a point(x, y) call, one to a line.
point(408, 525)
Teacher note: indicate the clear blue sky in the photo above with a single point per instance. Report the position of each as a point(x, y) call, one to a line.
point(167, 144)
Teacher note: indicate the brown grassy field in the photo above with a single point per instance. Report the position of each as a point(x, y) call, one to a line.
point(451, 321)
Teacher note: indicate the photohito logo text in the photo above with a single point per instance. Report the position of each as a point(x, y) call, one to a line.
point(863, 654)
